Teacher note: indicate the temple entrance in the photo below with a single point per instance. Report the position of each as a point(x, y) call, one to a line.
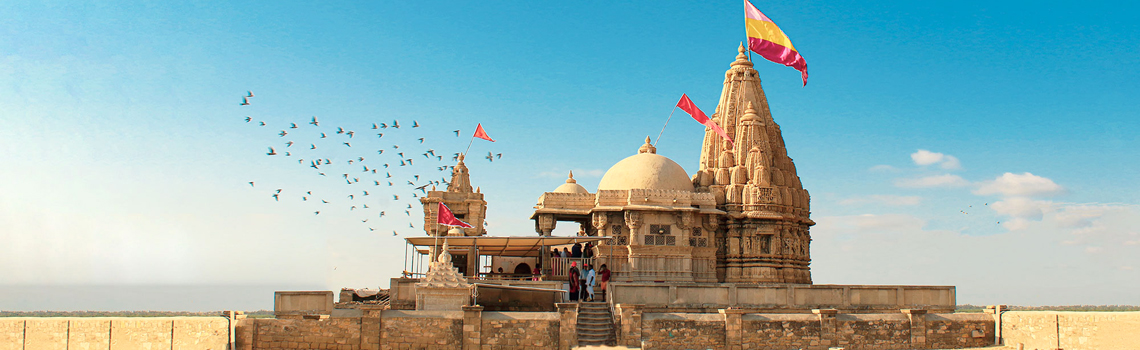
point(522, 269)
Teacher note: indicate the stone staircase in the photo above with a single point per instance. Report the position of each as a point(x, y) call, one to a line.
point(595, 324)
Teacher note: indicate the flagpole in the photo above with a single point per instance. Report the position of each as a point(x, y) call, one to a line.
point(663, 126)
point(469, 143)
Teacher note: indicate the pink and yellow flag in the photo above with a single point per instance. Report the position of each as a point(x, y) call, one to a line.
point(766, 39)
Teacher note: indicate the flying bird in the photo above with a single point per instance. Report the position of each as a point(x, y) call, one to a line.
point(293, 125)
point(349, 133)
point(383, 126)
point(275, 197)
point(339, 130)
point(244, 101)
point(323, 135)
point(283, 133)
point(396, 124)
point(262, 123)
point(348, 144)
point(314, 122)
point(415, 124)
point(379, 135)
point(490, 157)
point(374, 127)
point(317, 212)
point(250, 94)
point(251, 184)
point(271, 152)
point(247, 119)
point(289, 144)
point(421, 140)
point(456, 133)
point(395, 197)
point(312, 146)
point(498, 156)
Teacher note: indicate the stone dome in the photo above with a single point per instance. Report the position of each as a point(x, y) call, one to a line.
point(571, 186)
point(646, 170)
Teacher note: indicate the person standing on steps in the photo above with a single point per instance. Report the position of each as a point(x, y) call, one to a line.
point(605, 272)
point(572, 280)
point(590, 279)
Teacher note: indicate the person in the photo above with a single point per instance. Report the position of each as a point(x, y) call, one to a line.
point(582, 282)
point(591, 277)
point(554, 252)
point(537, 272)
point(605, 272)
point(588, 252)
point(565, 253)
point(576, 250)
point(500, 271)
point(572, 280)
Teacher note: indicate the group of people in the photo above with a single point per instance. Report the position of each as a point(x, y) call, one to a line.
point(575, 251)
point(582, 281)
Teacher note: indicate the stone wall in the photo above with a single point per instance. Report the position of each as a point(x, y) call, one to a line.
point(733, 329)
point(682, 331)
point(421, 330)
point(1071, 330)
point(329, 333)
point(114, 333)
point(519, 330)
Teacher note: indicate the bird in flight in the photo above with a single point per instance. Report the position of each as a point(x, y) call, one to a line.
point(283, 133)
point(275, 197)
point(379, 135)
point(293, 125)
point(421, 140)
point(312, 146)
point(348, 144)
point(323, 135)
point(374, 127)
point(339, 130)
point(250, 94)
point(244, 101)
point(498, 156)
point(415, 124)
point(247, 119)
point(456, 133)
point(271, 152)
point(395, 197)
point(396, 124)
point(251, 184)
point(383, 126)
point(317, 212)
point(381, 214)
point(314, 122)
point(349, 133)
point(262, 123)
point(394, 233)
point(490, 157)
point(289, 144)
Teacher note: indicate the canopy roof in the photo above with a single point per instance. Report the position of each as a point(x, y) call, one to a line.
point(500, 246)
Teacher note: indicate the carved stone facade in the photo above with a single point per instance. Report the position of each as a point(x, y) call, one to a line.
point(467, 204)
point(743, 217)
point(765, 232)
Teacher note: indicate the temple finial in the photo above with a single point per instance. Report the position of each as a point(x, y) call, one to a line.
point(571, 180)
point(647, 147)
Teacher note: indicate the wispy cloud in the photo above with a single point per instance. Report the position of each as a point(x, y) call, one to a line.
point(944, 180)
point(883, 168)
point(1025, 184)
point(923, 157)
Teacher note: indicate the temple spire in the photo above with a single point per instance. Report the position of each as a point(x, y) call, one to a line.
point(460, 178)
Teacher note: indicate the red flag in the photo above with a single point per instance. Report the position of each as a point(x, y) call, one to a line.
point(482, 134)
point(686, 104)
point(446, 218)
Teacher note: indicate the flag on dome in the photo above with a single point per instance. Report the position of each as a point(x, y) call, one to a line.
point(480, 133)
point(766, 39)
point(687, 105)
point(446, 218)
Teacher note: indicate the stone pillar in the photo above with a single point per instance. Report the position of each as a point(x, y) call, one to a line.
point(995, 311)
point(629, 332)
point(472, 327)
point(370, 326)
point(567, 326)
point(733, 328)
point(827, 336)
point(917, 319)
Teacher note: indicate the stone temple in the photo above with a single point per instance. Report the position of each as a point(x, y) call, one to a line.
point(743, 217)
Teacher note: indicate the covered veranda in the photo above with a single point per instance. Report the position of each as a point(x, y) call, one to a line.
point(473, 254)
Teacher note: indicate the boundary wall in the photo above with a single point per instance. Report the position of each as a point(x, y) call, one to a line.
point(114, 333)
point(1071, 330)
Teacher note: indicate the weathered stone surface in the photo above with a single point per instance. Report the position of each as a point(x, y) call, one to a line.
point(45, 333)
point(11, 333)
point(1074, 330)
point(89, 333)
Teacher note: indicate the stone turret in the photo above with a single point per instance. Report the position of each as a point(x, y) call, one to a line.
point(467, 204)
point(766, 230)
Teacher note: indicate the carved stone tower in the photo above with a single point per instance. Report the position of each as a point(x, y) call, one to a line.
point(764, 236)
point(467, 205)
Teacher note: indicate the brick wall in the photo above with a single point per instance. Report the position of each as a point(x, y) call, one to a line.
point(780, 331)
point(114, 333)
point(965, 330)
point(873, 331)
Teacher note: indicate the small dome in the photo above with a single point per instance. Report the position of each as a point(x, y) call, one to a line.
point(646, 170)
point(571, 186)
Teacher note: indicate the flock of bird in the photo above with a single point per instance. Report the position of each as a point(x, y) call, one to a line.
point(383, 181)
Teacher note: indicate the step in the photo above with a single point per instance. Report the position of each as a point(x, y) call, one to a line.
point(595, 328)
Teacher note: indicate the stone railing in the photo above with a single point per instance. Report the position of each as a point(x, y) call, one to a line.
point(662, 297)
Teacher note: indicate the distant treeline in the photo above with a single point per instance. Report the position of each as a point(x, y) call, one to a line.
point(979, 308)
point(251, 314)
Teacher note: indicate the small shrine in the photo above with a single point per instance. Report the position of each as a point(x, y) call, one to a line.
point(443, 288)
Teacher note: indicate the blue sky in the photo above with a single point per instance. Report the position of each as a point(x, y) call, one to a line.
point(125, 158)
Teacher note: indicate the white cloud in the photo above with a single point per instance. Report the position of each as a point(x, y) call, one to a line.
point(884, 199)
point(883, 168)
point(1026, 184)
point(945, 180)
point(924, 157)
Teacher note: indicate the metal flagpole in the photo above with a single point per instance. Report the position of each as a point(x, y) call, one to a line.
point(469, 144)
point(663, 126)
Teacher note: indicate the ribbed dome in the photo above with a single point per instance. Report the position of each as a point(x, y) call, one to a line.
point(646, 170)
